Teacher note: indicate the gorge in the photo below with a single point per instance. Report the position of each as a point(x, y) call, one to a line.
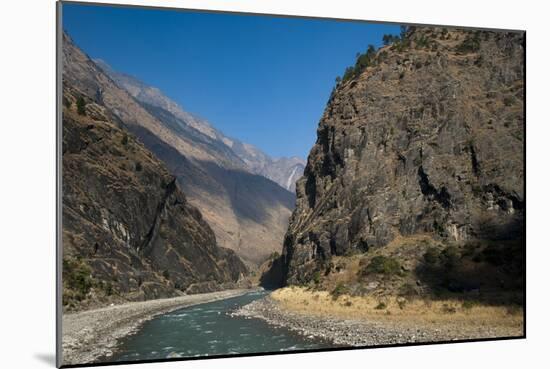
point(406, 226)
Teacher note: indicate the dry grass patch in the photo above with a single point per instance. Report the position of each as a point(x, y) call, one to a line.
point(416, 311)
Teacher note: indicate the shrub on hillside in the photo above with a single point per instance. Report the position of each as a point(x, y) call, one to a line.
point(339, 290)
point(77, 280)
point(470, 44)
point(389, 39)
point(431, 256)
point(383, 265)
point(317, 277)
point(380, 306)
point(450, 257)
point(81, 106)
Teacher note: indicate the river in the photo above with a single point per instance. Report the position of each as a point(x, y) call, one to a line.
point(209, 330)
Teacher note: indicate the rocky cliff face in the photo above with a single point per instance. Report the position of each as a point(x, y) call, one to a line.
point(247, 212)
point(283, 171)
point(128, 231)
point(427, 139)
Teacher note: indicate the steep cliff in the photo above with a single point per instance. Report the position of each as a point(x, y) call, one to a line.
point(425, 136)
point(129, 232)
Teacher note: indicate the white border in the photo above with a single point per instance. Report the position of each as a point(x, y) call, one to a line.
point(28, 191)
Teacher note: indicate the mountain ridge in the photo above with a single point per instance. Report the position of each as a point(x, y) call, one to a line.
point(248, 212)
point(284, 170)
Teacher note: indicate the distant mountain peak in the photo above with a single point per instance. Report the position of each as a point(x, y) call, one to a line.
point(284, 171)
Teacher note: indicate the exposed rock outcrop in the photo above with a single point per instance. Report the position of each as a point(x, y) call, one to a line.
point(129, 232)
point(428, 138)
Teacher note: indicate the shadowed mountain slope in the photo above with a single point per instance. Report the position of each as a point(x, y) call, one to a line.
point(283, 171)
point(247, 212)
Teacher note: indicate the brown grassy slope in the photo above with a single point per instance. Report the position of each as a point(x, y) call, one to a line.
point(419, 281)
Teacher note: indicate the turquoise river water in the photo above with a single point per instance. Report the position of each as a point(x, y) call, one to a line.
point(209, 330)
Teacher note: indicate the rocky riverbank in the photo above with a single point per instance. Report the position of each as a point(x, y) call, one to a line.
point(91, 335)
point(365, 332)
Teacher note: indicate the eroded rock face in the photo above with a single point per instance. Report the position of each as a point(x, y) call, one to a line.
point(128, 230)
point(429, 139)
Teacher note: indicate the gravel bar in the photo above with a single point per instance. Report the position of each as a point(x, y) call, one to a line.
point(92, 334)
point(345, 332)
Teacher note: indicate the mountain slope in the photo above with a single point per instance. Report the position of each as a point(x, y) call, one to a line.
point(426, 139)
point(247, 212)
point(129, 232)
point(283, 171)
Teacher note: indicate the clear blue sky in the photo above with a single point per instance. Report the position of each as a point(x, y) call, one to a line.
point(263, 80)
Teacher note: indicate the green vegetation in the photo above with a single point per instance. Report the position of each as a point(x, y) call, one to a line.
point(317, 277)
point(503, 255)
point(369, 58)
point(109, 288)
point(422, 42)
point(402, 42)
point(66, 102)
point(382, 265)
point(471, 44)
point(450, 257)
point(390, 39)
point(81, 106)
point(479, 267)
point(380, 306)
point(467, 305)
point(431, 256)
point(339, 290)
point(362, 62)
point(139, 167)
point(77, 280)
point(124, 140)
point(166, 274)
